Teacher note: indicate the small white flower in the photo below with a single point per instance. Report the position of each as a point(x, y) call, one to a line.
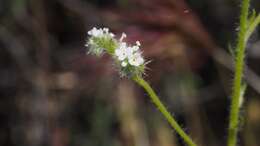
point(129, 54)
point(95, 32)
point(136, 59)
point(136, 47)
point(106, 32)
point(121, 52)
point(100, 32)
point(124, 51)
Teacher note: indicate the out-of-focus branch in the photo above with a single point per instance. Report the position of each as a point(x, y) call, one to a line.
point(18, 52)
point(84, 10)
point(222, 57)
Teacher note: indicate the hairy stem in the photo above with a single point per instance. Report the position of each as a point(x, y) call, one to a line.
point(163, 110)
point(237, 83)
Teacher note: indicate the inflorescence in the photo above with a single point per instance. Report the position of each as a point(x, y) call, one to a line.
point(128, 58)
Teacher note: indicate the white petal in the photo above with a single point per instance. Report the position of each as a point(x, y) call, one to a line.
point(129, 52)
point(123, 45)
point(132, 61)
point(140, 60)
point(121, 57)
point(105, 30)
point(124, 63)
point(135, 48)
point(111, 34)
point(118, 52)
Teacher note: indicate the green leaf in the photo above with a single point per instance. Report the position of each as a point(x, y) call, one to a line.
point(231, 50)
point(253, 23)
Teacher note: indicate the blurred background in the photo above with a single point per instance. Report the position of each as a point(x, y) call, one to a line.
point(53, 94)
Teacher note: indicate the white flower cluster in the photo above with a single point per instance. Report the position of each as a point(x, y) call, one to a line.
point(129, 54)
point(100, 32)
point(129, 58)
point(98, 39)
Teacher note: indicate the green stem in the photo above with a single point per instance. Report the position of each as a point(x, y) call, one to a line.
point(163, 110)
point(237, 83)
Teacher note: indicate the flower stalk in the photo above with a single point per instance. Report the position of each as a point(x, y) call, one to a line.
point(157, 102)
point(246, 28)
